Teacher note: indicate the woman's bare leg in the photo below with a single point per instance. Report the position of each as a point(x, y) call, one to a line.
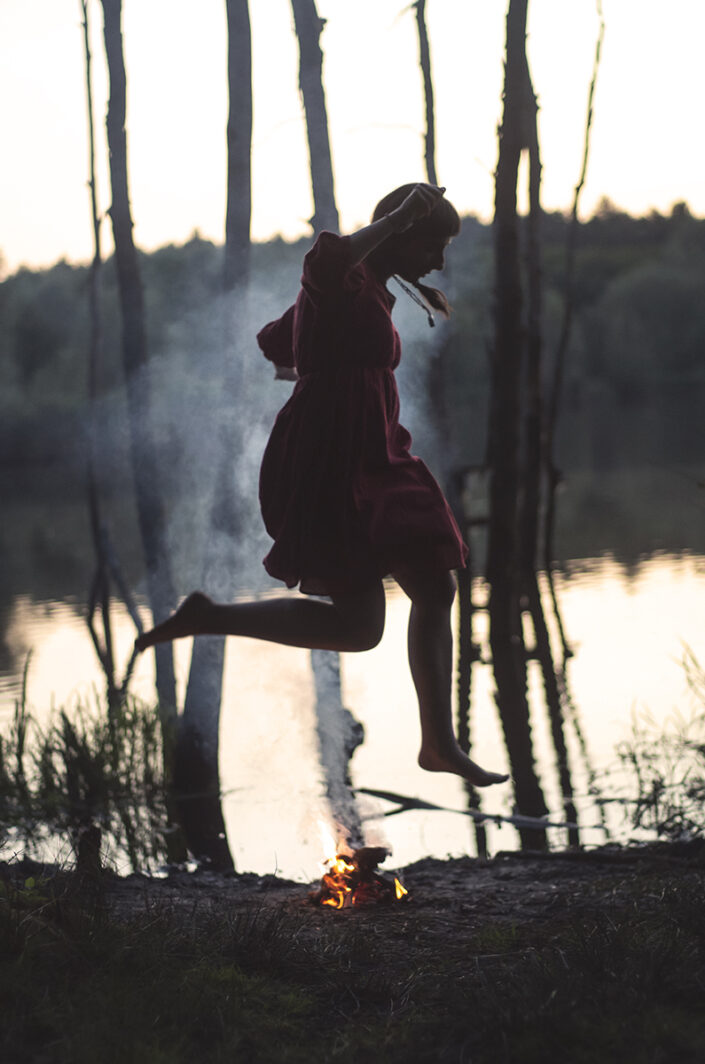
point(430, 644)
point(350, 622)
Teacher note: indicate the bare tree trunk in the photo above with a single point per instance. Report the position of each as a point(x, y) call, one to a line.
point(100, 591)
point(544, 655)
point(436, 371)
point(308, 30)
point(437, 391)
point(236, 271)
point(553, 473)
point(150, 510)
point(506, 634)
point(107, 565)
point(198, 775)
point(530, 507)
point(339, 733)
point(425, 63)
point(530, 519)
point(465, 659)
point(540, 451)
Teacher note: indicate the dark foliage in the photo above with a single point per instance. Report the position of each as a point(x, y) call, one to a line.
point(640, 321)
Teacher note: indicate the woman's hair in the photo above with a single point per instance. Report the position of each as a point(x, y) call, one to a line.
point(442, 223)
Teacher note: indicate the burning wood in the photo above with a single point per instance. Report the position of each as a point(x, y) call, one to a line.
point(353, 880)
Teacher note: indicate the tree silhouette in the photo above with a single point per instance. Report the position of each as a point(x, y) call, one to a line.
point(107, 569)
point(197, 773)
point(150, 508)
point(503, 553)
point(425, 64)
point(308, 31)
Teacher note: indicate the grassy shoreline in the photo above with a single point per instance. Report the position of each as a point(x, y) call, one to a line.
point(567, 957)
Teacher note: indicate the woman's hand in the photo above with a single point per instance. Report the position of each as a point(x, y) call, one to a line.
point(285, 373)
point(418, 204)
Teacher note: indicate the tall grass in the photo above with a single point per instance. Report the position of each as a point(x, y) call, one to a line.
point(611, 971)
point(87, 767)
point(94, 766)
point(615, 974)
point(666, 769)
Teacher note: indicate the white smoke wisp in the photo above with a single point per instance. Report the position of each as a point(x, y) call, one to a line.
point(215, 400)
point(419, 358)
point(431, 409)
point(339, 735)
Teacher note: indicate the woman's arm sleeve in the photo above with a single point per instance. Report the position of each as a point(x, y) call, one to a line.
point(328, 268)
point(276, 339)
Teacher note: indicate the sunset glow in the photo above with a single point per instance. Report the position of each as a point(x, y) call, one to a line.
point(644, 151)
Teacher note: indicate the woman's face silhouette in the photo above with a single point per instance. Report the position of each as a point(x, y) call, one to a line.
point(420, 255)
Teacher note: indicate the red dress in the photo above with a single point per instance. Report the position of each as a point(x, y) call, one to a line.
point(341, 496)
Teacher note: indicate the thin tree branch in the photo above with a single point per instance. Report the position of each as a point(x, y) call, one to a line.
point(569, 268)
point(425, 63)
point(150, 508)
point(100, 587)
point(552, 472)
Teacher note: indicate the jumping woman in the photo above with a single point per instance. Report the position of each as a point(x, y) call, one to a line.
point(342, 497)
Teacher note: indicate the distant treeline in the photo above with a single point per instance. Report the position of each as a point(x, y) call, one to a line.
point(637, 341)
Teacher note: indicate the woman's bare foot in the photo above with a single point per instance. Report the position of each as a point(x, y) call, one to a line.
point(188, 620)
point(455, 761)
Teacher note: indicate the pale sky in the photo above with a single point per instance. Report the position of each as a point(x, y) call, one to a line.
point(647, 145)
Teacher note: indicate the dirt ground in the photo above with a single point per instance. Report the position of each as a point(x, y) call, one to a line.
point(450, 902)
point(457, 897)
point(596, 948)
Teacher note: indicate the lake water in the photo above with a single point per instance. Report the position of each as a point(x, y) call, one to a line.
point(629, 626)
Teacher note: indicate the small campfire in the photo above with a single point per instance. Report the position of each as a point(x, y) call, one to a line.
point(353, 880)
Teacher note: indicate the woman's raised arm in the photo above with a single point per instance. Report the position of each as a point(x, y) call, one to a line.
point(419, 203)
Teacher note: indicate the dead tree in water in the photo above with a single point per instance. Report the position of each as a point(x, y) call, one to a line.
point(100, 587)
point(107, 570)
point(541, 440)
point(150, 509)
point(534, 443)
point(517, 449)
point(553, 472)
point(308, 31)
point(541, 476)
point(339, 734)
point(437, 391)
point(197, 774)
point(337, 730)
point(503, 556)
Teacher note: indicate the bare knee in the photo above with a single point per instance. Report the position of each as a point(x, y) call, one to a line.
point(428, 589)
point(362, 614)
point(364, 638)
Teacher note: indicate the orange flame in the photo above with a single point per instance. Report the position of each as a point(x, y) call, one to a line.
point(350, 878)
point(339, 890)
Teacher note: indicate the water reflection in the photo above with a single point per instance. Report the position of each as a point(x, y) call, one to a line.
point(628, 629)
